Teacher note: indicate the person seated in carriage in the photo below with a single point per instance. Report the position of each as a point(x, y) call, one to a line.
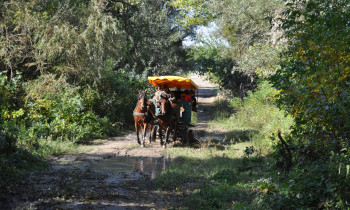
point(178, 92)
point(185, 96)
point(168, 94)
point(163, 92)
point(194, 100)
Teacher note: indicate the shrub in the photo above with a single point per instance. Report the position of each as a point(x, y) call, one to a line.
point(55, 110)
point(257, 112)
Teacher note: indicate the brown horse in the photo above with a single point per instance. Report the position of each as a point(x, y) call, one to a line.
point(143, 116)
point(168, 120)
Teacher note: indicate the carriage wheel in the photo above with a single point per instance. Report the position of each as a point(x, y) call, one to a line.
point(190, 136)
point(184, 136)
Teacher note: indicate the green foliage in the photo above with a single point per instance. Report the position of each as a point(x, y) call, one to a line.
point(55, 109)
point(211, 178)
point(252, 34)
point(10, 97)
point(314, 77)
point(245, 46)
point(258, 115)
point(11, 105)
point(210, 58)
point(213, 195)
point(16, 46)
point(14, 166)
point(154, 42)
point(225, 175)
point(261, 59)
point(314, 85)
point(193, 12)
point(245, 23)
point(76, 39)
point(320, 185)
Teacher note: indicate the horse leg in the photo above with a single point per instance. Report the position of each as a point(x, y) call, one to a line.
point(175, 131)
point(137, 133)
point(161, 135)
point(144, 126)
point(167, 133)
point(150, 132)
point(154, 133)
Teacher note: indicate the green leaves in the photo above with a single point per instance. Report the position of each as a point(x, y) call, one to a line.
point(314, 83)
point(251, 30)
point(193, 12)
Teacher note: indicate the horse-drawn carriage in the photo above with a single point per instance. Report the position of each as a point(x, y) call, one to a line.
point(176, 117)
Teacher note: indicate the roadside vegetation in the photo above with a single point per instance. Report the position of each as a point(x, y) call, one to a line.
point(303, 94)
point(212, 178)
point(70, 71)
point(256, 119)
point(236, 169)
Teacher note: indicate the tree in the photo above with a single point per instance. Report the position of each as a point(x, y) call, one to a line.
point(314, 88)
point(192, 12)
point(250, 27)
point(16, 39)
point(314, 78)
point(153, 38)
point(245, 46)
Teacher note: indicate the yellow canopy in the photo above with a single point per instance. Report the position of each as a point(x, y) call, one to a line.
point(172, 81)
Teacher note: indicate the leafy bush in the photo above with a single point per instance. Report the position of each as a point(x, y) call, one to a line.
point(11, 112)
point(314, 78)
point(314, 84)
point(257, 112)
point(322, 184)
point(50, 112)
point(14, 165)
point(213, 195)
point(55, 110)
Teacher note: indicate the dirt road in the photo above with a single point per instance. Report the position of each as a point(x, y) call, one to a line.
point(114, 174)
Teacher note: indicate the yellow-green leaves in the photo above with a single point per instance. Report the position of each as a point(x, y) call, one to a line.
point(194, 12)
point(314, 75)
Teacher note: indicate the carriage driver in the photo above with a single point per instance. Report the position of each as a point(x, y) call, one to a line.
point(165, 92)
point(157, 95)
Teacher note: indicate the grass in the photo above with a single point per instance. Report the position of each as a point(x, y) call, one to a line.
point(133, 146)
point(213, 178)
point(256, 119)
point(234, 171)
point(15, 166)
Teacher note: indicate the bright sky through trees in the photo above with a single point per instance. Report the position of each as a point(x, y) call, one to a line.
point(205, 33)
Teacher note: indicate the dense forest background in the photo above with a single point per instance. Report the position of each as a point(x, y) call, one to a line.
point(70, 71)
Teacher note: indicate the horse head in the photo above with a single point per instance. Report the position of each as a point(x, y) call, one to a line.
point(165, 105)
point(142, 100)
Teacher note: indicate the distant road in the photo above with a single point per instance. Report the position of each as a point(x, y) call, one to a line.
point(207, 91)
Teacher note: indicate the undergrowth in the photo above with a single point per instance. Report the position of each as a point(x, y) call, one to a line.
point(233, 172)
point(15, 165)
point(214, 176)
point(49, 115)
point(244, 170)
point(255, 119)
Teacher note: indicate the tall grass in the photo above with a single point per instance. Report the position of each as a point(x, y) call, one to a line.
point(257, 116)
point(213, 177)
